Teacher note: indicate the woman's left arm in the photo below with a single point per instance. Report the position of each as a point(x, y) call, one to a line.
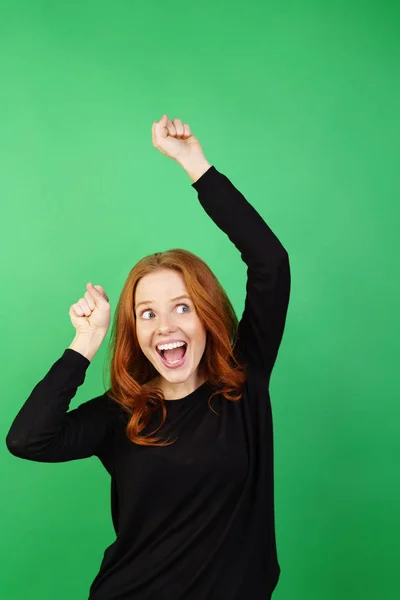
point(268, 270)
point(262, 324)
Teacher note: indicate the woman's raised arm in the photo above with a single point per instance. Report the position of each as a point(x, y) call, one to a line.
point(43, 430)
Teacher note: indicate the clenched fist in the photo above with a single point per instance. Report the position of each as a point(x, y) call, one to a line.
point(174, 139)
point(91, 314)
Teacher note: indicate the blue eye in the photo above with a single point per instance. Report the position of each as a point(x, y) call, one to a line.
point(150, 311)
point(145, 311)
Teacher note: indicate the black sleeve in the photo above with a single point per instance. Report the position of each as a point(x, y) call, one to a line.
point(268, 271)
point(44, 431)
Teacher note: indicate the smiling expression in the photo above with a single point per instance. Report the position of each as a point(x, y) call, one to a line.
point(164, 311)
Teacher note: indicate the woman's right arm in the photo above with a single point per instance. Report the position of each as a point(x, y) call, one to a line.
point(44, 431)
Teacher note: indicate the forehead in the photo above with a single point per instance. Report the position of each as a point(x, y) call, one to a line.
point(165, 283)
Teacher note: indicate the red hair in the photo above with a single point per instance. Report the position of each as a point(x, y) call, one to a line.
point(129, 367)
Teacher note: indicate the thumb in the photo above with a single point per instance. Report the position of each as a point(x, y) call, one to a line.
point(98, 293)
point(164, 126)
point(159, 130)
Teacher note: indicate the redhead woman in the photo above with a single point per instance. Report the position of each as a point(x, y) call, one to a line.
point(185, 429)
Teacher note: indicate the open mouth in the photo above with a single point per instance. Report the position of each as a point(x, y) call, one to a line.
point(172, 364)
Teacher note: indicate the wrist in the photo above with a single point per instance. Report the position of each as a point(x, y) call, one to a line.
point(195, 167)
point(87, 344)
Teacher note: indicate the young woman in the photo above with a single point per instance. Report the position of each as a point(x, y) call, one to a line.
point(192, 507)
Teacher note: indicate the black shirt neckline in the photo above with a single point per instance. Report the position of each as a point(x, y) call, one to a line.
point(197, 393)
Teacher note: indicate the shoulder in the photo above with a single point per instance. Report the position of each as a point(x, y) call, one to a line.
point(113, 411)
point(256, 378)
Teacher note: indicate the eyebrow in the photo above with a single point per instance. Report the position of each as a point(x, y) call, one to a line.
point(172, 300)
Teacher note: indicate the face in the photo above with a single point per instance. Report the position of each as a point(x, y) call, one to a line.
point(160, 317)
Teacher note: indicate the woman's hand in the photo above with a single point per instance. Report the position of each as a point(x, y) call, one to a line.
point(175, 140)
point(91, 314)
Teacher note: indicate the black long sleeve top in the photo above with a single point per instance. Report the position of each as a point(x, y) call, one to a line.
point(193, 520)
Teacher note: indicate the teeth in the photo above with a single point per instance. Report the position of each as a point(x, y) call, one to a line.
point(170, 346)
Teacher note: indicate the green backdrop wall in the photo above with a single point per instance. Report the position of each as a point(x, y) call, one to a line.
point(296, 102)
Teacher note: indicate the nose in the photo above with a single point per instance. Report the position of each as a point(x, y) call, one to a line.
point(166, 325)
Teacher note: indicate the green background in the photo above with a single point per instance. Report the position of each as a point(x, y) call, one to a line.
point(298, 104)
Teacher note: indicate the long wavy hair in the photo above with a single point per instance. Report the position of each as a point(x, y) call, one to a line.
point(129, 367)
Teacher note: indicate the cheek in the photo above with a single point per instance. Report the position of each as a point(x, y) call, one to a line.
point(143, 337)
point(198, 332)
